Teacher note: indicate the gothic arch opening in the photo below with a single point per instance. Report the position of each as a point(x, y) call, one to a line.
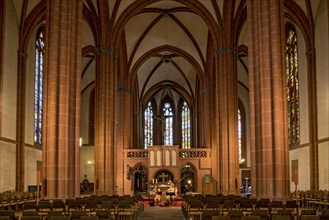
point(188, 179)
point(140, 179)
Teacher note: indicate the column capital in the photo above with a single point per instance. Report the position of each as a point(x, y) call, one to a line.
point(197, 113)
point(22, 54)
point(106, 50)
point(227, 49)
point(207, 90)
point(122, 89)
point(309, 53)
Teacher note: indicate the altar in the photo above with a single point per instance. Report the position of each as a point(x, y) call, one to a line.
point(156, 188)
point(163, 188)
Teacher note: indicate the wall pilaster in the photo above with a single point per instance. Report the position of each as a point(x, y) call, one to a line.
point(2, 32)
point(313, 129)
point(123, 135)
point(207, 109)
point(20, 121)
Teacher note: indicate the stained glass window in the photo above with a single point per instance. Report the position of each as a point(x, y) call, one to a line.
point(148, 126)
point(38, 85)
point(239, 135)
point(292, 82)
point(186, 127)
point(91, 130)
point(168, 114)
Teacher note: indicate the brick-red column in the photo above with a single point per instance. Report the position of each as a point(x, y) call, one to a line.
point(268, 117)
point(61, 153)
point(105, 105)
point(227, 113)
point(105, 122)
point(226, 103)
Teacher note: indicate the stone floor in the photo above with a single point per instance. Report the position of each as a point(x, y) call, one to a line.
point(162, 213)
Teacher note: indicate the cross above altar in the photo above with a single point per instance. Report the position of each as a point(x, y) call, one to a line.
point(164, 178)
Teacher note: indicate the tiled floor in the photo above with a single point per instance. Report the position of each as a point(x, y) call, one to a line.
point(162, 213)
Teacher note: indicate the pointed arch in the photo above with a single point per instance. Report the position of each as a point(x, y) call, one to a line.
point(189, 178)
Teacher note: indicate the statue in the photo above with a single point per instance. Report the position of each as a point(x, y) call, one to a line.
point(129, 172)
point(162, 123)
point(85, 184)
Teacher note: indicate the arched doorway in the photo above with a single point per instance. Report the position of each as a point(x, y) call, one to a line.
point(140, 179)
point(188, 183)
point(163, 176)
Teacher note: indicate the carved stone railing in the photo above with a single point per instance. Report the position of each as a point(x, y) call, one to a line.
point(183, 153)
point(136, 153)
point(194, 153)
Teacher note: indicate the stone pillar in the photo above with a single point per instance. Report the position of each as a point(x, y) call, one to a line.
point(268, 110)
point(105, 105)
point(61, 122)
point(105, 121)
point(227, 114)
point(227, 107)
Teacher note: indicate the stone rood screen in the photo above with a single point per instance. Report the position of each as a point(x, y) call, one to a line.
point(163, 155)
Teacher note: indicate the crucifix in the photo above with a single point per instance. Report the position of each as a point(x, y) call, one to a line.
point(164, 177)
point(162, 120)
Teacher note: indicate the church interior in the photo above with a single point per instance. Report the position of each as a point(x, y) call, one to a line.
point(131, 97)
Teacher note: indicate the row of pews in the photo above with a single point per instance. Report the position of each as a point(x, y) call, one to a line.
point(242, 208)
point(12, 200)
point(86, 208)
point(312, 199)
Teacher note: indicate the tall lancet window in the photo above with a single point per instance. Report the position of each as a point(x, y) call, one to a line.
point(148, 126)
point(239, 135)
point(292, 82)
point(38, 85)
point(186, 126)
point(168, 114)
